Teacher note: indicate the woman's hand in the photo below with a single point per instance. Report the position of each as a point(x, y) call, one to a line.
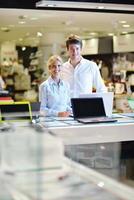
point(63, 114)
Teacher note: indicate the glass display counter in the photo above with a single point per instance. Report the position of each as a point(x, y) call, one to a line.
point(74, 182)
point(33, 167)
point(115, 159)
point(107, 148)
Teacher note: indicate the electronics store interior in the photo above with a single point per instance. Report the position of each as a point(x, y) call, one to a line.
point(66, 100)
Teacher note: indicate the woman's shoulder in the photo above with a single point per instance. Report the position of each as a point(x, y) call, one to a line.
point(44, 84)
point(65, 84)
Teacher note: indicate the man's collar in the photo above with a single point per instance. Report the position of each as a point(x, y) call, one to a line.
point(69, 60)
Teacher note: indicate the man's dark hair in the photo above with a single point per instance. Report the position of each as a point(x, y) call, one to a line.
point(73, 39)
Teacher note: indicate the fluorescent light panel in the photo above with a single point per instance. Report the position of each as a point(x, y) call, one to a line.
point(84, 5)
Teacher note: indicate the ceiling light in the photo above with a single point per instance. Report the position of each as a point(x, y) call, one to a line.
point(20, 39)
point(5, 29)
point(39, 34)
point(23, 48)
point(110, 34)
point(122, 22)
point(21, 22)
point(124, 32)
point(33, 18)
point(93, 33)
point(126, 25)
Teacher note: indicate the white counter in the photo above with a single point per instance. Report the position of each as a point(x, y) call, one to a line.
point(95, 133)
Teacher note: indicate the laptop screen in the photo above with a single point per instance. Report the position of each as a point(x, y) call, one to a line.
point(87, 107)
point(35, 107)
point(16, 111)
point(107, 100)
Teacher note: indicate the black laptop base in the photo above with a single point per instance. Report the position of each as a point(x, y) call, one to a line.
point(95, 120)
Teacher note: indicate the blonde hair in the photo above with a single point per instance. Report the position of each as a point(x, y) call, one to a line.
point(73, 39)
point(52, 60)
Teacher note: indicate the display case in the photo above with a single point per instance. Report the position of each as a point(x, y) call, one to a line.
point(33, 166)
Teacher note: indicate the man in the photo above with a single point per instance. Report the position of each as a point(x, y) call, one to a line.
point(83, 75)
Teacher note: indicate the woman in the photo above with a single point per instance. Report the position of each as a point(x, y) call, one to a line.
point(54, 93)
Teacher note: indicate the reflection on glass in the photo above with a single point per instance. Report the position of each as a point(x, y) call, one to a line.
point(113, 159)
point(32, 166)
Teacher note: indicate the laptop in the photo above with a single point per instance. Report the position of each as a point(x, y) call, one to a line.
point(107, 100)
point(35, 108)
point(15, 111)
point(90, 110)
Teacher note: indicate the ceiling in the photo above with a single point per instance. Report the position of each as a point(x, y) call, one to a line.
point(30, 26)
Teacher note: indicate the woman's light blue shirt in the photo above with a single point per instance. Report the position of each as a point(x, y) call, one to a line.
point(54, 97)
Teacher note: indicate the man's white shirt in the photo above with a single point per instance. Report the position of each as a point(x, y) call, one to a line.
point(83, 78)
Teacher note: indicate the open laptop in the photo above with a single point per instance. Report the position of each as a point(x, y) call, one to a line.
point(15, 111)
point(35, 109)
point(90, 110)
point(107, 100)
